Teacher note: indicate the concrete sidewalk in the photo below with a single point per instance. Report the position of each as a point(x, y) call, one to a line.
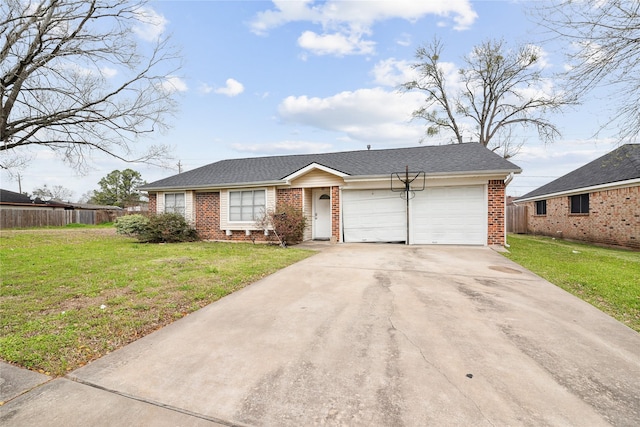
point(366, 335)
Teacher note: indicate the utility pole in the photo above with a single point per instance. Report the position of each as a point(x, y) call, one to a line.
point(19, 184)
point(179, 166)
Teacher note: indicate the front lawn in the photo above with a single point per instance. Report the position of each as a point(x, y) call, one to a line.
point(606, 278)
point(69, 296)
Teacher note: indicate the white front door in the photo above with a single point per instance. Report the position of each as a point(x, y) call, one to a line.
point(321, 214)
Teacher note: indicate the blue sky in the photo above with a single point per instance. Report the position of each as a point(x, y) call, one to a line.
point(289, 77)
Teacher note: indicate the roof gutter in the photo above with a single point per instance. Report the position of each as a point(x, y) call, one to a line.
point(216, 186)
point(509, 172)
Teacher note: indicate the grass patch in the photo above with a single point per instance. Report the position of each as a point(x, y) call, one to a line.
point(69, 296)
point(606, 278)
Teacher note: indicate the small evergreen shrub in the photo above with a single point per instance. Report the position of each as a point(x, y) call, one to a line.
point(167, 228)
point(131, 225)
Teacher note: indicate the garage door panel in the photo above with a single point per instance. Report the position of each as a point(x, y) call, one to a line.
point(373, 216)
point(449, 215)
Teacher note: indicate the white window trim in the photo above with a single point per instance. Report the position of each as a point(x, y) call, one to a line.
point(227, 224)
point(164, 201)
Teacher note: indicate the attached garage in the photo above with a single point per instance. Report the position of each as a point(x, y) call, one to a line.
point(449, 216)
point(373, 216)
point(438, 215)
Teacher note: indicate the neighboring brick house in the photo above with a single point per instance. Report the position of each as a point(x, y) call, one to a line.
point(458, 196)
point(599, 202)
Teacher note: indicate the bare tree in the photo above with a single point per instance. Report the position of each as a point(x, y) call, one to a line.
point(604, 51)
point(55, 192)
point(496, 89)
point(75, 77)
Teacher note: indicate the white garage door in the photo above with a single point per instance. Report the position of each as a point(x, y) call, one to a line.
point(450, 216)
point(373, 216)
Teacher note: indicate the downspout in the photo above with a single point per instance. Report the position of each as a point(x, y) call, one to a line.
point(504, 202)
point(341, 224)
point(507, 181)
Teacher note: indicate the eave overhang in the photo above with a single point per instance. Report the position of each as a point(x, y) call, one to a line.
point(583, 190)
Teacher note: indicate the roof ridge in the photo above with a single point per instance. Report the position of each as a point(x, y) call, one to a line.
point(421, 146)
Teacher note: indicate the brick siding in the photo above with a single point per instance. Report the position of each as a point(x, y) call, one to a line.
point(495, 217)
point(153, 203)
point(289, 196)
point(335, 214)
point(613, 218)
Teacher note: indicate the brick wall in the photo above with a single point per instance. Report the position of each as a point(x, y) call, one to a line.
point(613, 219)
point(290, 196)
point(153, 202)
point(335, 214)
point(496, 225)
point(207, 207)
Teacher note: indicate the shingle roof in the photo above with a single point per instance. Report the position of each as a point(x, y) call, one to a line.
point(7, 196)
point(454, 159)
point(621, 164)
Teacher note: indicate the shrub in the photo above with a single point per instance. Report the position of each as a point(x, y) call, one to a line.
point(167, 228)
point(132, 225)
point(287, 223)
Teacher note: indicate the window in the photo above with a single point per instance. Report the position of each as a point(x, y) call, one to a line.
point(579, 204)
point(246, 205)
point(541, 207)
point(174, 203)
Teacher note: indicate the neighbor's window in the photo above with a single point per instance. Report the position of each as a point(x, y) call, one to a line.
point(541, 207)
point(246, 205)
point(174, 203)
point(579, 204)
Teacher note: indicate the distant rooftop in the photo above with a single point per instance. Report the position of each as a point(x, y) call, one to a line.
point(621, 164)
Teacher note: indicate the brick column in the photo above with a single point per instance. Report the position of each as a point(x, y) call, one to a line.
point(496, 221)
point(335, 214)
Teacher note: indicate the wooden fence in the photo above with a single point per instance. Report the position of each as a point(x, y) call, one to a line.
point(24, 218)
point(517, 219)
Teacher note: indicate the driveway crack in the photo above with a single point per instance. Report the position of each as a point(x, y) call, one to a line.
point(429, 362)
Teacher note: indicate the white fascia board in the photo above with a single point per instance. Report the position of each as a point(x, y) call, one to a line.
point(501, 174)
point(218, 187)
point(583, 190)
point(311, 167)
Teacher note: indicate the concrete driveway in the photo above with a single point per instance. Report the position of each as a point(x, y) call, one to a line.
point(385, 335)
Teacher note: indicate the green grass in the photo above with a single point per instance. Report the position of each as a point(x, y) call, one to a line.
point(69, 296)
point(606, 278)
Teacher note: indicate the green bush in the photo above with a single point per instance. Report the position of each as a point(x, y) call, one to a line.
point(132, 225)
point(167, 228)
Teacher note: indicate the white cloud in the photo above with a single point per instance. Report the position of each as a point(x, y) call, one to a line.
point(542, 55)
point(345, 24)
point(298, 147)
point(108, 72)
point(205, 88)
point(335, 44)
point(174, 84)
point(392, 73)
point(364, 114)
point(150, 25)
point(232, 88)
